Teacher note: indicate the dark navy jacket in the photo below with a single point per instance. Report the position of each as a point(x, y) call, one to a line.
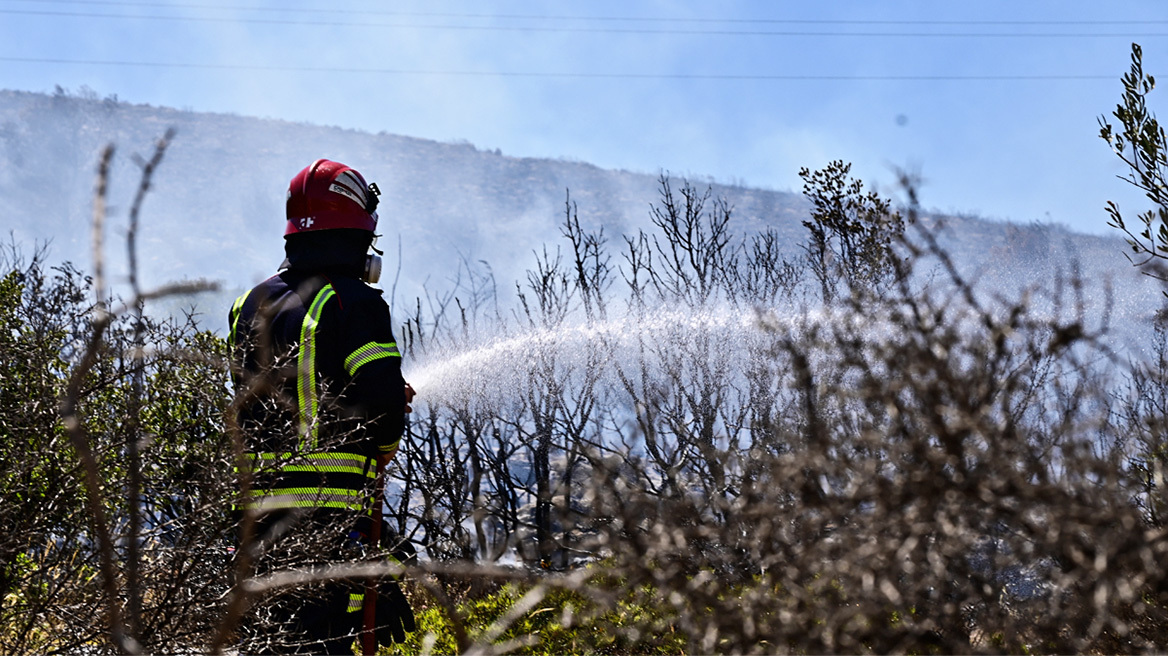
point(319, 371)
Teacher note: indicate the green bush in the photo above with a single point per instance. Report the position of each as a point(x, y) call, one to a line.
point(563, 622)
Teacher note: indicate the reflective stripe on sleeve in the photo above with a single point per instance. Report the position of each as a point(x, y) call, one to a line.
point(349, 463)
point(356, 601)
point(306, 369)
point(303, 497)
point(236, 309)
point(370, 352)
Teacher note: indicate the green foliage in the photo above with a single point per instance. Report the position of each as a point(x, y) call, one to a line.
point(1139, 141)
point(1141, 408)
point(49, 584)
point(563, 622)
point(39, 493)
point(851, 233)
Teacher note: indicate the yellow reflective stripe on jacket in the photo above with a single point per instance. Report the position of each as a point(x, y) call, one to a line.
point(306, 369)
point(304, 497)
point(235, 312)
point(370, 352)
point(356, 601)
point(349, 463)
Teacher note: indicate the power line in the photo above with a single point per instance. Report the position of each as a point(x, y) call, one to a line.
point(558, 75)
point(590, 30)
point(629, 19)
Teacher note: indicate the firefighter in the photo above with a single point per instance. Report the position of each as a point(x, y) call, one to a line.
point(322, 401)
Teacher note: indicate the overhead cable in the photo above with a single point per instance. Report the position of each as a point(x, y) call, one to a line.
point(559, 74)
point(578, 17)
point(587, 30)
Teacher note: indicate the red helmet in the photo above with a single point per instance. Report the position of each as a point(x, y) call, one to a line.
point(327, 195)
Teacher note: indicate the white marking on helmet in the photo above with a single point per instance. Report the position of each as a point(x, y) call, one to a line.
point(306, 223)
point(349, 186)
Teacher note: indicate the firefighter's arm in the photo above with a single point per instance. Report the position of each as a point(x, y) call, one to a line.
point(389, 455)
point(378, 389)
point(373, 361)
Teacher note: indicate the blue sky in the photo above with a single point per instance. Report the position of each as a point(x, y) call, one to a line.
point(994, 103)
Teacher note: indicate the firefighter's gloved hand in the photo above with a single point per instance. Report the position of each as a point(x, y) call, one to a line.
point(410, 394)
point(362, 530)
point(402, 550)
point(395, 618)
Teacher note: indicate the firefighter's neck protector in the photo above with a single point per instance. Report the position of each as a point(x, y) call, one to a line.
point(342, 252)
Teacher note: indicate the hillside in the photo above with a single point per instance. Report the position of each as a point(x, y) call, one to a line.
point(216, 210)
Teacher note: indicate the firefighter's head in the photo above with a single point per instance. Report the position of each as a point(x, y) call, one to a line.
point(332, 216)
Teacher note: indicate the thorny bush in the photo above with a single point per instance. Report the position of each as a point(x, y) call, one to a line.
point(52, 594)
point(912, 467)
